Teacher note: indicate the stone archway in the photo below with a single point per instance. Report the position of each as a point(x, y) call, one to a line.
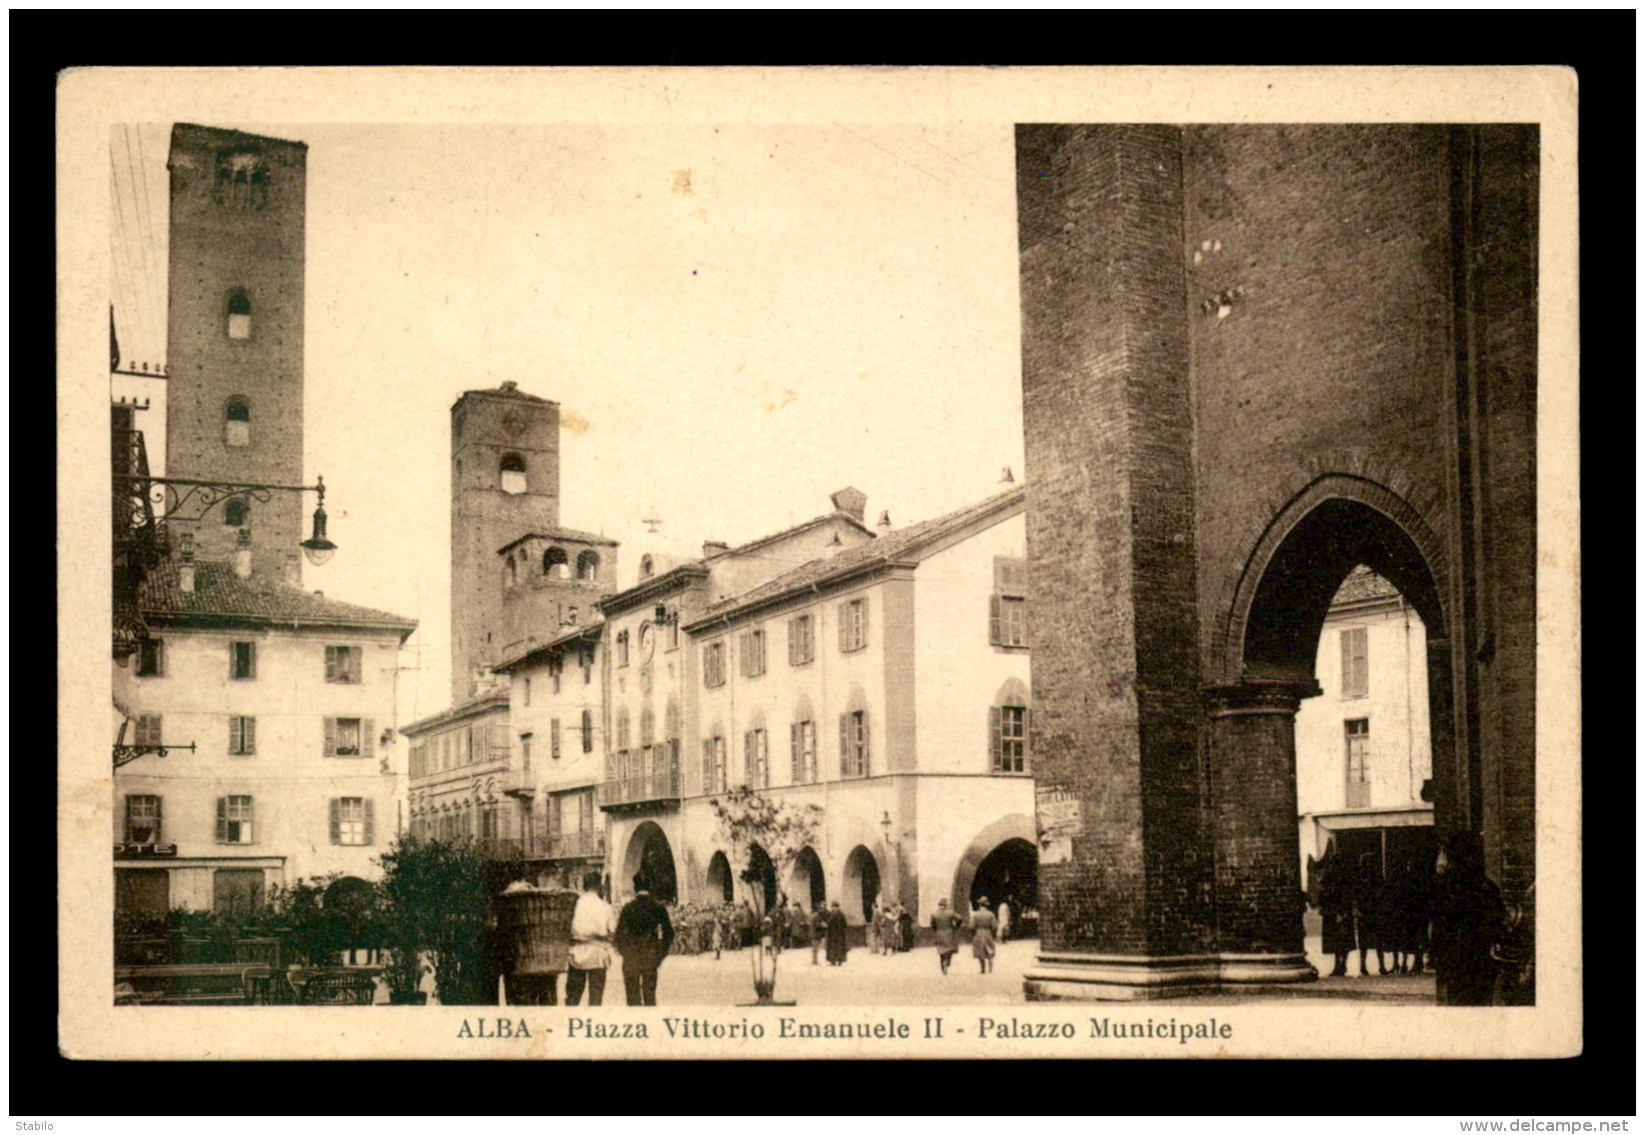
point(861, 885)
point(1017, 826)
point(649, 853)
point(805, 881)
point(719, 879)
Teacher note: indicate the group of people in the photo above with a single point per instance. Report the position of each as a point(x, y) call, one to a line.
point(1454, 917)
point(890, 929)
point(642, 933)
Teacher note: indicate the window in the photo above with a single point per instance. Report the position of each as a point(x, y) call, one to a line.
point(1008, 606)
point(753, 652)
point(1357, 738)
point(802, 749)
point(417, 761)
point(143, 819)
point(342, 664)
point(351, 821)
point(353, 737)
point(556, 663)
point(1008, 738)
point(587, 655)
point(645, 567)
point(237, 423)
point(714, 772)
point(622, 648)
point(242, 736)
point(239, 315)
point(1356, 677)
point(588, 565)
point(673, 621)
point(236, 514)
point(242, 181)
point(854, 743)
point(236, 891)
point(622, 728)
point(554, 739)
point(526, 692)
point(151, 658)
point(488, 822)
point(234, 819)
point(525, 751)
point(802, 645)
point(588, 732)
point(148, 730)
point(854, 624)
point(756, 759)
point(555, 565)
point(511, 473)
point(242, 660)
point(714, 664)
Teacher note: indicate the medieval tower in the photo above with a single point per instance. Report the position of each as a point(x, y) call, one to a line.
point(235, 335)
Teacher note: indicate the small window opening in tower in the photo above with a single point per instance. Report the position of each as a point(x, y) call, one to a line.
point(512, 473)
point(646, 567)
point(555, 565)
point(236, 513)
point(237, 422)
point(239, 316)
point(587, 565)
point(242, 180)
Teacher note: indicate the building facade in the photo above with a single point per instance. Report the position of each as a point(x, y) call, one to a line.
point(885, 682)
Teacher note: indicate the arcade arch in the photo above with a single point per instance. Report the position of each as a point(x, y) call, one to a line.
point(806, 884)
point(650, 854)
point(1000, 860)
point(719, 878)
point(861, 885)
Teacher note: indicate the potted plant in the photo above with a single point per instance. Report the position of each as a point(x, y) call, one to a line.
point(436, 897)
point(766, 837)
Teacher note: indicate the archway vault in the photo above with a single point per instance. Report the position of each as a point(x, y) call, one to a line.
point(1017, 825)
point(1337, 522)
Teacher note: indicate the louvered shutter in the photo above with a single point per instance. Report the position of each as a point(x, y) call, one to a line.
point(159, 821)
point(996, 632)
point(251, 659)
point(357, 659)
point(996, 738)
point(862, 623)
point(222, 819)
point(336, 820)
point(765, 759)
point(371, 821)
point(331, 663)
point(234, 744)
point(368, 737)
point(248, 734)
point(866, 760)
point(843, 611)
point(845, 744)
point(331, 737)
point(794, 752)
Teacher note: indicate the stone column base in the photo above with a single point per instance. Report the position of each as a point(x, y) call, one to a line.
point(1116, 977)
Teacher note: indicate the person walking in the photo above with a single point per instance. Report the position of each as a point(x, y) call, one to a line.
point(819, 931)
point(643, 937)
point(1468, 915)
point(873, 927)
point(593, 922)
point(982, 935)
point(1336, 910)
point(905, 929)
point(945, 926)
point(1004, 915)
point(836, 935)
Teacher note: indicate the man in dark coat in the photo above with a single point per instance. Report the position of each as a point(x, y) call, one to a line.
point(1467, 922)
point(644, 935)
point(836, 935)
point(1336, 909)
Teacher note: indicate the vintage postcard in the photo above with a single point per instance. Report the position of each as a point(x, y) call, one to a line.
point(770, 564)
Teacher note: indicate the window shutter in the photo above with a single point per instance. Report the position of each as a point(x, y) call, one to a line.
point(845, 744)
point(368, 737)
point(708, 766)
point(996, 745)
point(234, 745)
point(336, 820)
point(996, 634)
point(1026, 765)
point(248, 730)
point(765, 760)
point(251, 659)
point(862, 628)
point(331, 663)
point(794, 752)
point(865, 750)
point(748, 756)
point(222, 819)
point(357, 663)
point(331, 737)
point(844, 613)
point(371, 820)
point(554, 738)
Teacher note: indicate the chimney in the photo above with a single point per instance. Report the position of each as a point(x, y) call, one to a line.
point(885, 521)
point(851, 502)
point(242, 554)
point(714, 548)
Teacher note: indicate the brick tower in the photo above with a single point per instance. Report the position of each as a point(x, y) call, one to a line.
point(505, 482)
point(235, 335)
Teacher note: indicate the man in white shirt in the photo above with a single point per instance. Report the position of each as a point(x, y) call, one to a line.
point(592, 924)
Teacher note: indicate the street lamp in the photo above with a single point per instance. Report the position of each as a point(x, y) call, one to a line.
point(317, 548)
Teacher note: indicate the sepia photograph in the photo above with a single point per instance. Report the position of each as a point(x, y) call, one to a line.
point(843, 563)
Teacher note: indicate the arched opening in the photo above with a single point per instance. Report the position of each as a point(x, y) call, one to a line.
point(1009, 876)
point(719, 878)
point(862, 885)
point(805, 881)
point(645, 566)
point(237, 422)
point(555, 565)
point(1338, 721)
point(511, 473)
point(761, 877)
point(588, 565)
point(236, 514)
point(650, 855)
point(239, 315)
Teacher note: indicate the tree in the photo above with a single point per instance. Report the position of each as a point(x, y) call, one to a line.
point(436, 899)
point(752, 823)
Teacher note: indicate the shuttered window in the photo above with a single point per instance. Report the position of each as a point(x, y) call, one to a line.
point(1356, 676)
point(151, 658)
point(149, 731)
point(343, 664)
point(234, 819)
point(854, 743)
point(351, 737)
point(756, 759)
point(352, 821)
point(554, 739)
point(853, 624)
point(801, 641)
point(242, 661)
point(143, 819)
point(753, 653)
point(714, 771)
point(242, 736)
point(1008, 738)
point(1008, 606)
point(1357, 741)
point(714, 664)
point(802, 752)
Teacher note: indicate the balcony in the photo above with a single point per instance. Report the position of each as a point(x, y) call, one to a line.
point(576, 845)
point(519, 783)
point(652, 779)
point(562, 845)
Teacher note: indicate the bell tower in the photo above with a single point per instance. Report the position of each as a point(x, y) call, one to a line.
point(505, 482)
point(235, 334)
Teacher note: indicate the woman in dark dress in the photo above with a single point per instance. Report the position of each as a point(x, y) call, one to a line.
point(905, 929)
point(1467, 922)
point(836, 935)
point(1336, 909)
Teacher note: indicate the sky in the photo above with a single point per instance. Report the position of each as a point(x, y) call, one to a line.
point(736, 321)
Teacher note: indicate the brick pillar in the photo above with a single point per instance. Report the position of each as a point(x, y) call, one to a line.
point(1252, 773)
point(1125, 883)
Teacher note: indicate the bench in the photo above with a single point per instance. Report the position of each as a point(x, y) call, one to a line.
point(181, 985)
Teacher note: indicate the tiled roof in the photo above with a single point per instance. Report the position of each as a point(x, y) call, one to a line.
point(218, 592)
point(560, 534)
point(900, 543)
point(1363, 584)
point(569, 634)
